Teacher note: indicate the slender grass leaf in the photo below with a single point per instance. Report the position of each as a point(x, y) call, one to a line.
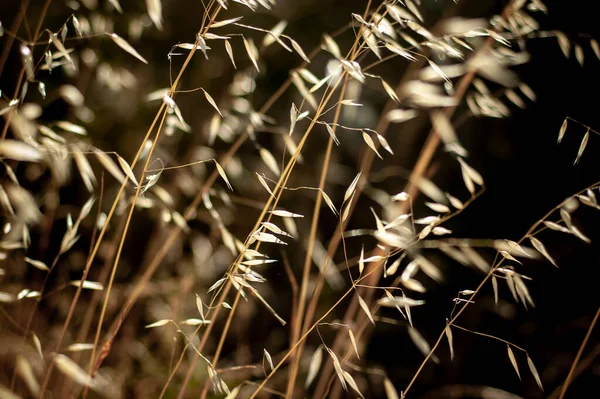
point(211, 101)
point(365, 308)
point(537, 244)
point(513, 360)
point(582, 146)
point(390, 391)
point(448, 332)
point(313, 368)
point(534, 372)
point(119, 41)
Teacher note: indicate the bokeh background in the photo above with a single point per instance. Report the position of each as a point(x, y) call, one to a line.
point(525, 171)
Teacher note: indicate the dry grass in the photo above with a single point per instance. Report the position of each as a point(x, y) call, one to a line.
point(138, 261)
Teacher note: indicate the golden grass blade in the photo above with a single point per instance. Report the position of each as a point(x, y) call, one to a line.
point(212, 102)
point(414, 9)
point(371, 41)
point(286, 214)
point(88, 285)
point(393, 301)
point(25, 370)
point(332, 46)
point(582, 146)
point(127, 169)
point(154, 8)
point(384, 143)
point(390, 92)
point(6, 393)
point(365, 309)
point(195, 322)
point(513, 360)
point(116, 5)
point(306, 94)
point(537, 244)
point(448, 332)
point(352, 187)
point(534, 372)
point(225, 22)
point(275, 229)
point(85, 169)
point(158, 323)
point(445, 130)
point(252, 51)
point(401, 115)
point(595, 47)
point(73, 371)
point(393, 268)
point(79, 347)
point(563, 130)
point(431, 190)
point(347, 207)
point(441, 208)
point(421, 343)
point(329, 202)
point(38, 345)
point(109, 165)
point(267, 237)
point(350, 380)
point(527, 91)
point(332, 134)
point(200, 306)
point(221, 172)
point(361, 261)
point(263, 182)
point(229, 51)
point(119, 41)
point(299, 50)
point(72, 128)
point(60, 47)
point(435, 67)
point(390, 391)
point(353, 341)
point(37, 264)
point(274, 33)
point(269, 308)
point(472, 173)
point(338, 368)
point(563, 43)
point(495, 288)
point(270, 161)
point(556, 227)
point(267, 356)
point(313, 368)
point(234, 392)
point(580, 235)
point(429, 268)
point(19, 151)
point(514, 98)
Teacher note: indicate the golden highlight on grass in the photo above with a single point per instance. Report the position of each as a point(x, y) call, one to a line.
point(209, 268)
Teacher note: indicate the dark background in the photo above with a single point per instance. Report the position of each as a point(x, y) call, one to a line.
point(525, 171)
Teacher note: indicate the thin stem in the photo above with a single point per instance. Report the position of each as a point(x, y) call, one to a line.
point(303, 337)
point(476, 292)
point(579, 353)
point(582, 365)
point(489, 336)
point(14, 28)
point(308, 257)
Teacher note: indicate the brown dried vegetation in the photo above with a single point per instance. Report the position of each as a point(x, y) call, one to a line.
point(137, 261)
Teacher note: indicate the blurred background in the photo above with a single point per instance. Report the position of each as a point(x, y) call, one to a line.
point(526, 174)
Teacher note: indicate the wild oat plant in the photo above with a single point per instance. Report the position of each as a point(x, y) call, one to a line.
point(142, 261)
